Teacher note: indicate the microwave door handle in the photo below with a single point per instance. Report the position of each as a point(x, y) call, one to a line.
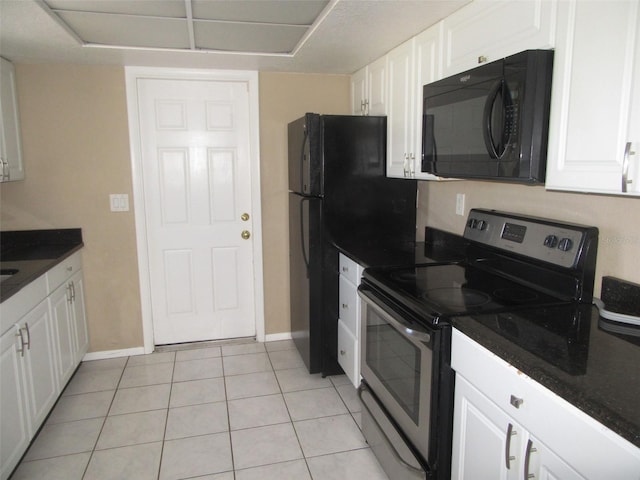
point(486, 119)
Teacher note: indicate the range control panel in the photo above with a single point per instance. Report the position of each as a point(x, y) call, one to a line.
point(541, 239)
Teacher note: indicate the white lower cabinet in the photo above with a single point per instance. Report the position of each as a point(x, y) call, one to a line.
point(507, 426)
point(67, 307)
point(38, 354)
point(349, 321)
point(14, 409)
point(490, 444)
point(29, 382)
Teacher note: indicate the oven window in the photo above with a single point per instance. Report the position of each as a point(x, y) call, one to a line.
point(396, 363)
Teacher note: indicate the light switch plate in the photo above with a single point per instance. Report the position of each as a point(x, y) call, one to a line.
point(460, 204)
point(119, 202)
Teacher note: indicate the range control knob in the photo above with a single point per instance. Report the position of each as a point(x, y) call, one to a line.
point(472, 223)
point(551, 241)
point(482, 225)
point(565, 244)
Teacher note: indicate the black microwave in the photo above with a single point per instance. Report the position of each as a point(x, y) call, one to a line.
point(491, 122)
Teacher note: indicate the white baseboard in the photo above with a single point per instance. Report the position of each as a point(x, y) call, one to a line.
point(127, 352)
point(274, 337)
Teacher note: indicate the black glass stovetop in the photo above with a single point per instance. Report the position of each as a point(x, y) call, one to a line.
point(437, 291)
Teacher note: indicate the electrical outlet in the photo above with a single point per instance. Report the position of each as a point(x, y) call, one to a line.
point(460, 204)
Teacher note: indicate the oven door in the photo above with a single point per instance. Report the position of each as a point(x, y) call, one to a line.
point(397, 364)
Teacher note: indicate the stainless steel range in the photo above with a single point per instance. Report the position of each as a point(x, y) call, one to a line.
point(511, 264)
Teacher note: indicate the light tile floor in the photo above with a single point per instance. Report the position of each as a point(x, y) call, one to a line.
point(243, 412)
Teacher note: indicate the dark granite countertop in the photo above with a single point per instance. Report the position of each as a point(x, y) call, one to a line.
point(28, 254)
point(595, 370)
point(438, 246)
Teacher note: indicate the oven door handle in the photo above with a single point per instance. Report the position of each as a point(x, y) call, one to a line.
point(405, 328)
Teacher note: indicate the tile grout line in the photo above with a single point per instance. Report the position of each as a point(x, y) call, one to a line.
point(93, 450)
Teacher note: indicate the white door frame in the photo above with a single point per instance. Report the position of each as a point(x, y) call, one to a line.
point(132, 74)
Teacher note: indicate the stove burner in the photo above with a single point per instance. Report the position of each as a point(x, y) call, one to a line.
point(516, 295)
point(456, 297)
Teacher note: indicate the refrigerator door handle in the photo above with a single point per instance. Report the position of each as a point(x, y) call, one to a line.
point(305, 255)
point(304, 188)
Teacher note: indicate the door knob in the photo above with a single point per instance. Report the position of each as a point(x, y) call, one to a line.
point(245, 234)
point(244, 217)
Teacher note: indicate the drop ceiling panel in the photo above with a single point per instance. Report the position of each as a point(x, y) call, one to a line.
point(160, 8)
point(125, 30)
point(292, 12)
point(243, 37)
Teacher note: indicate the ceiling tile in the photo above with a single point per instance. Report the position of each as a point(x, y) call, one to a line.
point(159, 8)
point(243, 37)
point(292, 12)
point(123, 30)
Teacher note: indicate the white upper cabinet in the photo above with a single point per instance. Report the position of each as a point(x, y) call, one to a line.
point(411, 65)
point(487, 30)
point(10, 144)
point(369, 89)
point(400, 151)
point(594, 131)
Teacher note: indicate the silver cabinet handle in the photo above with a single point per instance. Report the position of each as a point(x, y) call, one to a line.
point(69, 297)
point(405, 166)
point(507, 448)
point(22, 342)
point(26, 327)
point(412, 165)
point(73, 291)
point(625, 167)
point(527, 459)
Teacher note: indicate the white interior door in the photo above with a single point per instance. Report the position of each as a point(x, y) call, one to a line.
point(195, 153)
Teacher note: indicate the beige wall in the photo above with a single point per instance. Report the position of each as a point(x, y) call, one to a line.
point(618, 219)
point(76, 152)
point(283, 98)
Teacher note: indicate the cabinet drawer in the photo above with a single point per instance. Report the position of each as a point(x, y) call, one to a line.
point(348, 353)
point(63, 271)
point(544, 414)
point(350, 269)
point(349, 310)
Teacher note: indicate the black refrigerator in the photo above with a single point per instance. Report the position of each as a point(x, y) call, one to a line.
point(339, 196)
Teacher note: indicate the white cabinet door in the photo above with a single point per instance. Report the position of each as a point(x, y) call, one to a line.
point(486, 441)
point(348, 353)
point(427, 68)
point(592, 110)
point(484, 31)
point(400, 111)
point(14, 418)
point(541, 462)
point(62, 313)
point(359, 92)
point(377, 87)
point(40, 361)
point(10, 143)
point(81, 332)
